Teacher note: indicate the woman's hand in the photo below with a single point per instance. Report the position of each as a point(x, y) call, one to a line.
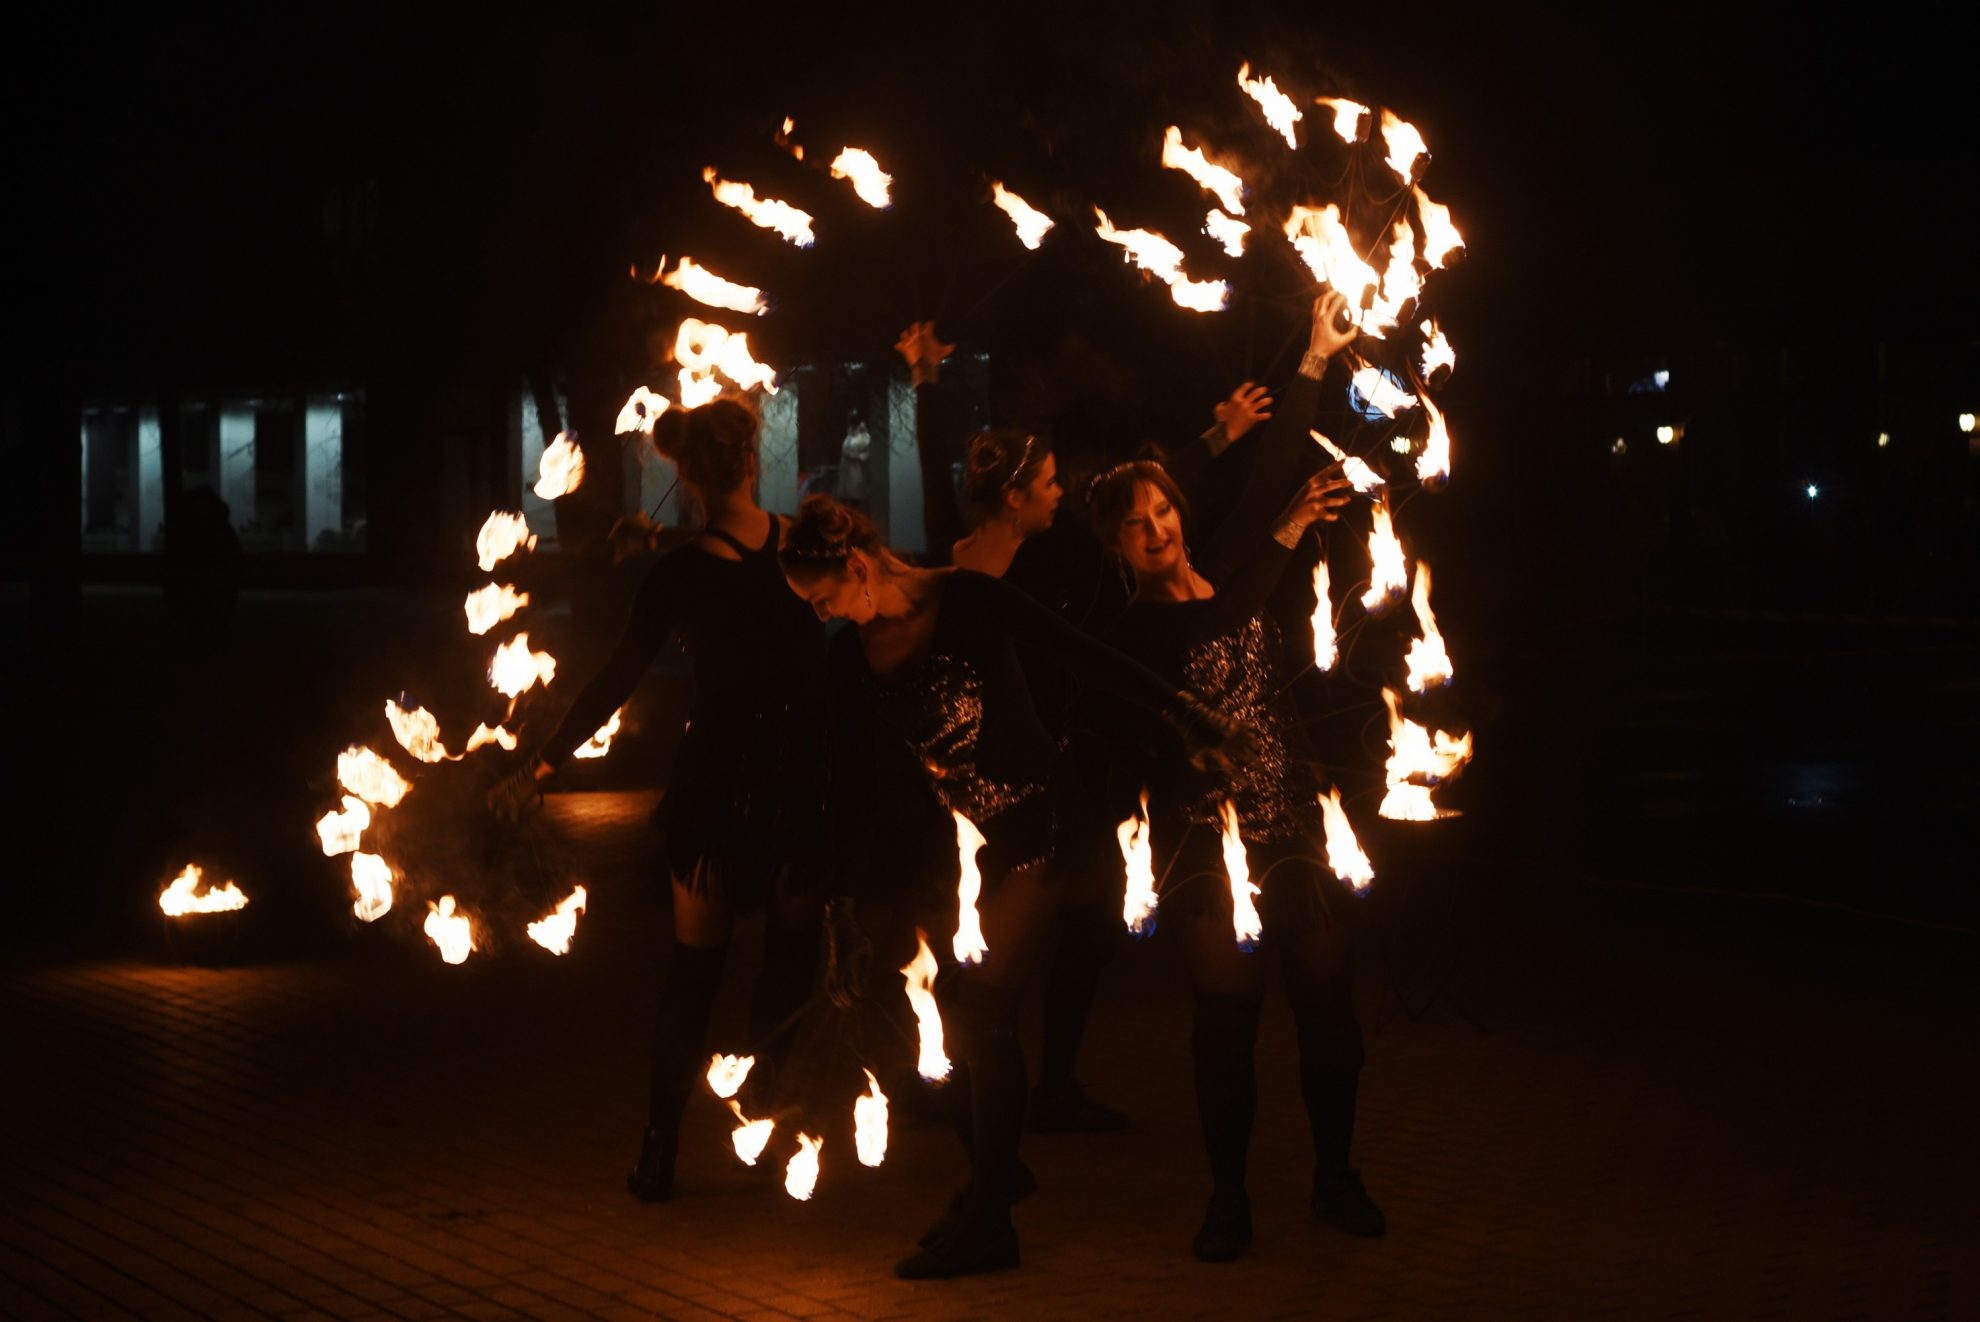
point(1329, 311)
point(1217, 743)
point(1248, 406)
point(1319, 500)
point(922, 351)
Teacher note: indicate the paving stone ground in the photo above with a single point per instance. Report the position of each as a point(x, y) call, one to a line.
point(1579, 1103)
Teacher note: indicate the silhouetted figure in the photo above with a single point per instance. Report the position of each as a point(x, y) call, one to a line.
point(202, 566)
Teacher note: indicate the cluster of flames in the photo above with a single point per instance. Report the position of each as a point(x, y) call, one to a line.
point(726, 1075)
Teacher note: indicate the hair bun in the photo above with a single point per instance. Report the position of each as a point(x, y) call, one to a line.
point(670, 432)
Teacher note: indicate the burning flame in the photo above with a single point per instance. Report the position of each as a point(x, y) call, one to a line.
point(790, 223)
point(1344, 854)
point(449, 931)
point(1138, 855)
point(1382, 394)
point(1162, 259)
point(371, 777)
point(750, 1136)
point(968, 943)
point(1363, 478)
point(1433, 466)
point(600, 743)
point(1418, 760)
point(641, 410)
point(870, 1123)
point(1429, 663)
point(1226, 230)
point(183, 896)
point(801, 1176)
point(554, 930)
point(1440, 236)
point(501, 535)
point(1032, 224)
point(868, 179)
point(340, 831)
point(372, 877)
point(1228, 188)
point(1437, 351)
point(1405, 145)
point(516, 669)
point(1244, 914)
point(1326, 647)
point(783, 139)
point(726, 1074)
point(704, 286)
point(483, 735)
point(1388, 574)
point(1347, 116)
point(919, 974)
point(1323, 243)
point(489, 606)
point(1400, 282)
point(561, 469)
point(1280, 112)
point(703, 348)
point(418, 732)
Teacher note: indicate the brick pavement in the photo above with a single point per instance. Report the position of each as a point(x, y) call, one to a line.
point(1654, 1114)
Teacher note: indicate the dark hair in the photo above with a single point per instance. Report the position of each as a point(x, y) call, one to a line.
point(823, 536)
point(1000, 462)
point(712, 445)
point(1112, 495)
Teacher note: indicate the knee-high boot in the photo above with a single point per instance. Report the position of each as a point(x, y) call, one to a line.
point(680, 1041)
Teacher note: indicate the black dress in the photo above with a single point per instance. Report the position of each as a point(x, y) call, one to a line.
point(746, 783)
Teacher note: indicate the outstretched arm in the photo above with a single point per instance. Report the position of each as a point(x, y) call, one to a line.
point(941, 520)
point(652, 619)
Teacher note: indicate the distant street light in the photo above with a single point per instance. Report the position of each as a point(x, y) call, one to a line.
point(1966, 422)
point(1883, 440)
point(1666, 434)
point(1813, 491)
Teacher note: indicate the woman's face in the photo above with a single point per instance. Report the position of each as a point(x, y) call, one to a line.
point(1035, 503)
point(1150, 540)
point(840, 595)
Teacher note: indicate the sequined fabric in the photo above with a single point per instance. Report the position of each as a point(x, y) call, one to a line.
point(1235, 673)
point(937, 709)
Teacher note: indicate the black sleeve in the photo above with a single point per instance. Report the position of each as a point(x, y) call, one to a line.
point(647, 627)
point(997, 605)
point(941, 520)
point(1279, 459)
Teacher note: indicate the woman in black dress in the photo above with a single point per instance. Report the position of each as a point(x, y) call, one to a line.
point(1201, 619)
point(743, 795)
point(931, 665)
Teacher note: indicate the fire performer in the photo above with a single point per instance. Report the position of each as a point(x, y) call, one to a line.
point(1202, 621)
point(931, 665)
point(741, 800)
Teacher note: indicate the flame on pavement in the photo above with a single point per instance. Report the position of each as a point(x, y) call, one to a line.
point(185, 896)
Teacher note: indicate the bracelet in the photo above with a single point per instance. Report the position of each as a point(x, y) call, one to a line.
point(1288, 534)
point(1313, 364)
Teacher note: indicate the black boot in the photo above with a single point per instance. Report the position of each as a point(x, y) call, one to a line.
point(980, 1240)
point(1023, 1185)
point(652, 1178)
point(680, 1044)
point(1226, 1228)
point(1340, 1199)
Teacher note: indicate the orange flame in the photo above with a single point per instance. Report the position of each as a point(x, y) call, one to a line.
point(1433, 466)
point(704, 286)
point(1429, 663)
point(1388, 574)
point(703, 349)
point(489, 606)
point(1280, 112)
point(1138, 903)
point(1437, 351)
point(968, 942)
point(483, 735)
point(870, 1123)
point(1406, 146)
point(641, 410)
point(1440, 236)
point(749, 1136)
point(1363, 478)
point(561, 468)
point(372, 878)
point(801, 1175)
point(1032, 225)
point(726, 1073)
point(1324, 244)
point(868, 179)
point(1162, 259)
point(449, 930)
point(1418, 760)
point(342, 831)
point(783, 138)
point(1244, 913)
point(555, 929)
point(1212, 178)
point(600, 743)
point(919, 974)
point(1344, 854)
point(371, 777)
point(1326, 646)
point(1226, 230)
point(184, 896)
point(789, 223)
point(1382, 394)
point(418, 731)
point(515, 669)
point(1347, 116)
point(501, 535)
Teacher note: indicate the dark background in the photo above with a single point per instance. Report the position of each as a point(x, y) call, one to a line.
point(1681, 670)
